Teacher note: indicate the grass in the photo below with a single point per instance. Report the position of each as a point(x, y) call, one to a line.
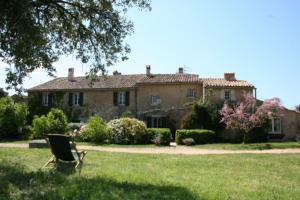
point(254, 146)
point(135, 176)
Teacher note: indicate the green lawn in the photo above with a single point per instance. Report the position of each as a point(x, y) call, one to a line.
point(254, 146)
point(136, 176)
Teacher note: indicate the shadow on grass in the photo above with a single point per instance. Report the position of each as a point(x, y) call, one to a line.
point(17, 183)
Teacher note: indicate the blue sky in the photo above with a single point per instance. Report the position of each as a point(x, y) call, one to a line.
point(259, 40)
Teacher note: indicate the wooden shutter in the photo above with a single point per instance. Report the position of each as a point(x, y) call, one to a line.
point(115, 98)
point(70, 102)
point(50, 100)
point(127, 98)
point(81, 99)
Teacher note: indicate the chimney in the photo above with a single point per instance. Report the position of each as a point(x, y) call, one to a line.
point(116, 73)
point(71, 74)
point(229, 76)
point(180, 70)
point(148, 70)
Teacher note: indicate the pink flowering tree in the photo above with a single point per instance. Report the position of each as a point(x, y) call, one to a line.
point(247, 114)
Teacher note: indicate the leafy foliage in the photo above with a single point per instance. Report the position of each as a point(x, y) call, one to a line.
point(200, 136)
point(126, 131)
point(12, 118)
point(58, 122)
point(34, 33)
point(54, 122)
point(3, 93)
point(94, 131)
point(159, 136)
point(204, 115)
point(247, 115)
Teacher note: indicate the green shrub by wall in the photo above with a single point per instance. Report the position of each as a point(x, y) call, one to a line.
point(160, 136)
point(94, 131)
point(200, 136)
point(54, 123)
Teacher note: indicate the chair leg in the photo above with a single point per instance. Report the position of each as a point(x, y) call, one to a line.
point(77, 164)
point(52, 160)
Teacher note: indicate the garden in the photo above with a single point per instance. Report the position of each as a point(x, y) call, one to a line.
point(108, 175)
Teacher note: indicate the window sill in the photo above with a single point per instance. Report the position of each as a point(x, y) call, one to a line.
point(276, 133)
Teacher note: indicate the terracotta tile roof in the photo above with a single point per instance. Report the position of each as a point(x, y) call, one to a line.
point(130, 81)
point(221, 82)
point(171, 78)
point(105, 82)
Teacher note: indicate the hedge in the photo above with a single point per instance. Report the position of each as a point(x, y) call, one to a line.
point(200, 136)
point(163, 136)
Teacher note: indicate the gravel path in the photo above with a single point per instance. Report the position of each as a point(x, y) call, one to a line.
point(167, 150)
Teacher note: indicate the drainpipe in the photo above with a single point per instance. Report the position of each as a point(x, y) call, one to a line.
point(135, 99)
point(255, 93)
point(203, 93)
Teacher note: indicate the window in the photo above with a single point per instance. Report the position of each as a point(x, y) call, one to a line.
point(76, 99)
point(45, 100)
point(276, 125)
point(156, 122)
point(121, 98)
point(155, 100)
point(227, 95)
point(191, 93)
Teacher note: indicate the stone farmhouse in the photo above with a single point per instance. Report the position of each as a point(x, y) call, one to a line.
point(158, 99)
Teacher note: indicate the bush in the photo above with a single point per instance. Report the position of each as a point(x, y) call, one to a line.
point(58, 122)
point(12, 118)
point(40, 127)
point(54, 122)
point(127, 131)
point(199, 136)
point(94, 131)
point(159, 136)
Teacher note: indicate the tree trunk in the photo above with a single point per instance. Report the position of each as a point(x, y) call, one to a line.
point(245, 138)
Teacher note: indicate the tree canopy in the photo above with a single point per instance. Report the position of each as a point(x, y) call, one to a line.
point(34, 33)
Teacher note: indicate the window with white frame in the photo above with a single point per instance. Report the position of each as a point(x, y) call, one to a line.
point(121, 98)
point(227, 95)
point(276, 125)
point(155, 100)
point(76, 99)
point(45, 100)
point(191, 93)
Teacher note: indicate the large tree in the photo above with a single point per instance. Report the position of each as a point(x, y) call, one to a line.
point(34, 33)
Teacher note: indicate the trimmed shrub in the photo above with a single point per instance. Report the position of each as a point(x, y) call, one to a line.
point(12, 118)
point(159, 136)
point(54, 122)
point(200, 136)
point(127, 131)
point(94, 131)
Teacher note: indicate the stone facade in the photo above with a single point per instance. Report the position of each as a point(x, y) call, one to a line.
point(158, 99)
